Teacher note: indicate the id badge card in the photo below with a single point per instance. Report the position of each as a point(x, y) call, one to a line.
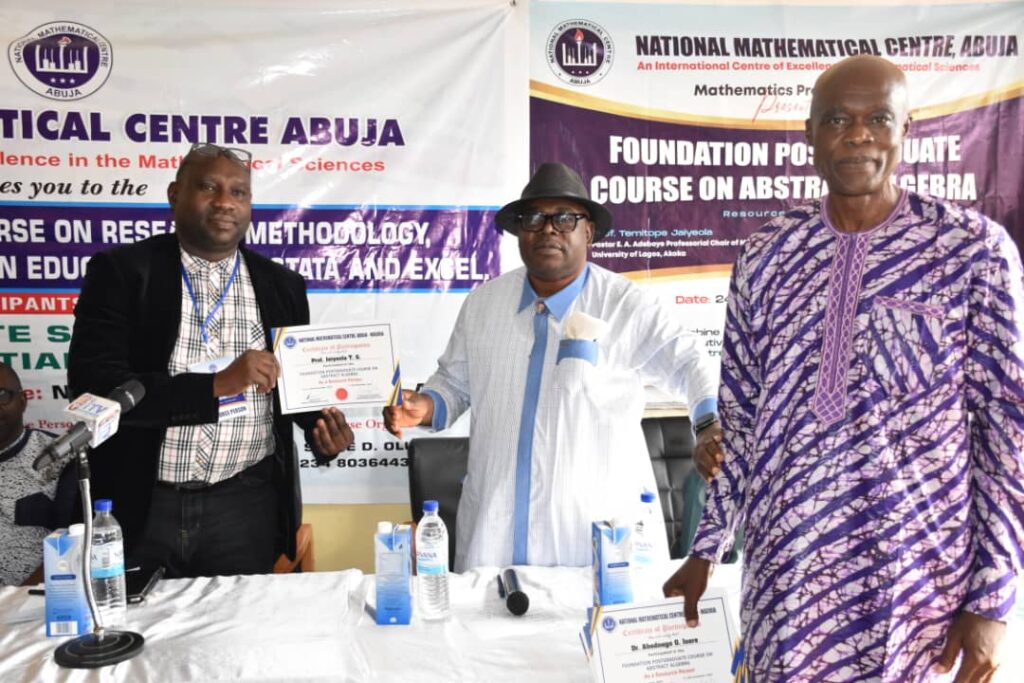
point(231, 407)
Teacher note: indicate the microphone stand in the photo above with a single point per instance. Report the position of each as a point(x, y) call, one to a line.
point(102, 647)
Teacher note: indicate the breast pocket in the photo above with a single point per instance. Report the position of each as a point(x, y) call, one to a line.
point(579, 379)
point(574, 375)
point(907, 345)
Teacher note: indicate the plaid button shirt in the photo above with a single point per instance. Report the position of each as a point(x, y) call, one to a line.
point(214, 452)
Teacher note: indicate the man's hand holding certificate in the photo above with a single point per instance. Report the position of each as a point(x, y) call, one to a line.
point(650, 641)
point(352, 366)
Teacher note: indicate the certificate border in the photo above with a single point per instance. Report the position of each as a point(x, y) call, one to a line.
point(625, 608)
point(278, 333)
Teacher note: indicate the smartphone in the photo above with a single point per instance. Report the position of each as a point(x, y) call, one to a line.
point(140, 580)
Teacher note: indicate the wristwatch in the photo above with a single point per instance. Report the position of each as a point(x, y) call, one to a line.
point(705, 422)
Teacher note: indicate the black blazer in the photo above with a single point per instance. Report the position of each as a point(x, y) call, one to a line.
point(126, 325)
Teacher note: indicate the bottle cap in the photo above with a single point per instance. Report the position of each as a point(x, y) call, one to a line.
point(647, 497)
point(430, 506)
point(383, 527)
point(76, 530)
point(103, 505)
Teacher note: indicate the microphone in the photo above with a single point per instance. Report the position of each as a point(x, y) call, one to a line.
point(508, 588)
point(98, 419)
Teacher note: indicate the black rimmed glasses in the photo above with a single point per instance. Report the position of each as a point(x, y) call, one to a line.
point(563, 221)
point(236, 154)
point(8, 395)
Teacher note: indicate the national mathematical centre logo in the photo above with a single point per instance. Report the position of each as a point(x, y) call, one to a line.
point(580, 52)
point(62, 60)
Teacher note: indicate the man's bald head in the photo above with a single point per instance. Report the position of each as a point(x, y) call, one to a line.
point(860, 71)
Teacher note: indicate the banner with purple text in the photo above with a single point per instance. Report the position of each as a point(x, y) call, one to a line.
point(384, 136)
point(688, 120)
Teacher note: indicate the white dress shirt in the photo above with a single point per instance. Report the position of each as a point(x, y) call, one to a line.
point(589, 458)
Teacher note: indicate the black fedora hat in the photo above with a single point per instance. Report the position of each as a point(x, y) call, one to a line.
point(555, 181)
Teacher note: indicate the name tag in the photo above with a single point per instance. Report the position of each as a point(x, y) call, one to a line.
point(231, 407)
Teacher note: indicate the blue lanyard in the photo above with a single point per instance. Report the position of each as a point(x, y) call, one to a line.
point(216, 307)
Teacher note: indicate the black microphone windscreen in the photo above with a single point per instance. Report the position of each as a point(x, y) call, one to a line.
point(128, 394)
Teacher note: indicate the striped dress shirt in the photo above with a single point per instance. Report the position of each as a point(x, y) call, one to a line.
point(210, 453)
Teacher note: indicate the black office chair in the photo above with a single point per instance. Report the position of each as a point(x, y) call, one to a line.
point(437, 467)
point(670, 443)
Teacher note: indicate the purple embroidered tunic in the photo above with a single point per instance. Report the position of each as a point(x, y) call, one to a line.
point(872, 399)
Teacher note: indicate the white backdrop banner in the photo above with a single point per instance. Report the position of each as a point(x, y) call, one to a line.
point(384, 137)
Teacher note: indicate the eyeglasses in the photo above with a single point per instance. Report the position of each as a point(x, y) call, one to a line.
point(563, 221)
point(208, 149)
point(7, 395)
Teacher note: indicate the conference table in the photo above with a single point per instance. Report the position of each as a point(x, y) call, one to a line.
point(316, 627)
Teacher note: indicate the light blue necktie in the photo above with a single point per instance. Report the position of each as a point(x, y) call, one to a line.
point(524, 450)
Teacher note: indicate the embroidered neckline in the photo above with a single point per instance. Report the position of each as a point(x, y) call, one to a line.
point(896, 209)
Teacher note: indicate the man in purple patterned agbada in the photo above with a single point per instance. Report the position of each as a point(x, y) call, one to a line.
point(872, 398)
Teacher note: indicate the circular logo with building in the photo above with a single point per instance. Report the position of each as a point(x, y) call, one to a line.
point(62, 60)
point(580, 52)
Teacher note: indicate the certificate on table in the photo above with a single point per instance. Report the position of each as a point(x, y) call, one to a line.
point(650, 641)
point(349, 366)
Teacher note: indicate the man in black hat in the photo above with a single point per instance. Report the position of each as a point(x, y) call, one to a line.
point(553, 359)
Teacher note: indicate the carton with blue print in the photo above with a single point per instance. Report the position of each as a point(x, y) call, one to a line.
point(393, 573)
point(612, 547)
point(67, 612)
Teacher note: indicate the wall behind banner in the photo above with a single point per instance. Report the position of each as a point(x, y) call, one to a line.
point(386, 134)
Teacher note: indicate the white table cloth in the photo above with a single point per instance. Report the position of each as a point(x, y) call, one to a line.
point(314, 627)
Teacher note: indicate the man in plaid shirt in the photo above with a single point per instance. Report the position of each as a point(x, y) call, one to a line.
point(203, 473)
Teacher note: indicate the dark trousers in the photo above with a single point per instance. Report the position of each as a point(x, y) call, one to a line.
point(224, 529)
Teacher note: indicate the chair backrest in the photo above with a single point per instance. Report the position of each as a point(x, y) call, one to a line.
point(304, 558)
point(670, 444)
point(437, 467)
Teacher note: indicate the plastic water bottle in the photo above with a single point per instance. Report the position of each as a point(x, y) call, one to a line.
point(108, 566)
point(643, 558)
point(432, 563)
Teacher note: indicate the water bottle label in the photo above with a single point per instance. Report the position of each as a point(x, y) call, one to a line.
point(429, 562)
point(107, 572)
point(107, 560)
